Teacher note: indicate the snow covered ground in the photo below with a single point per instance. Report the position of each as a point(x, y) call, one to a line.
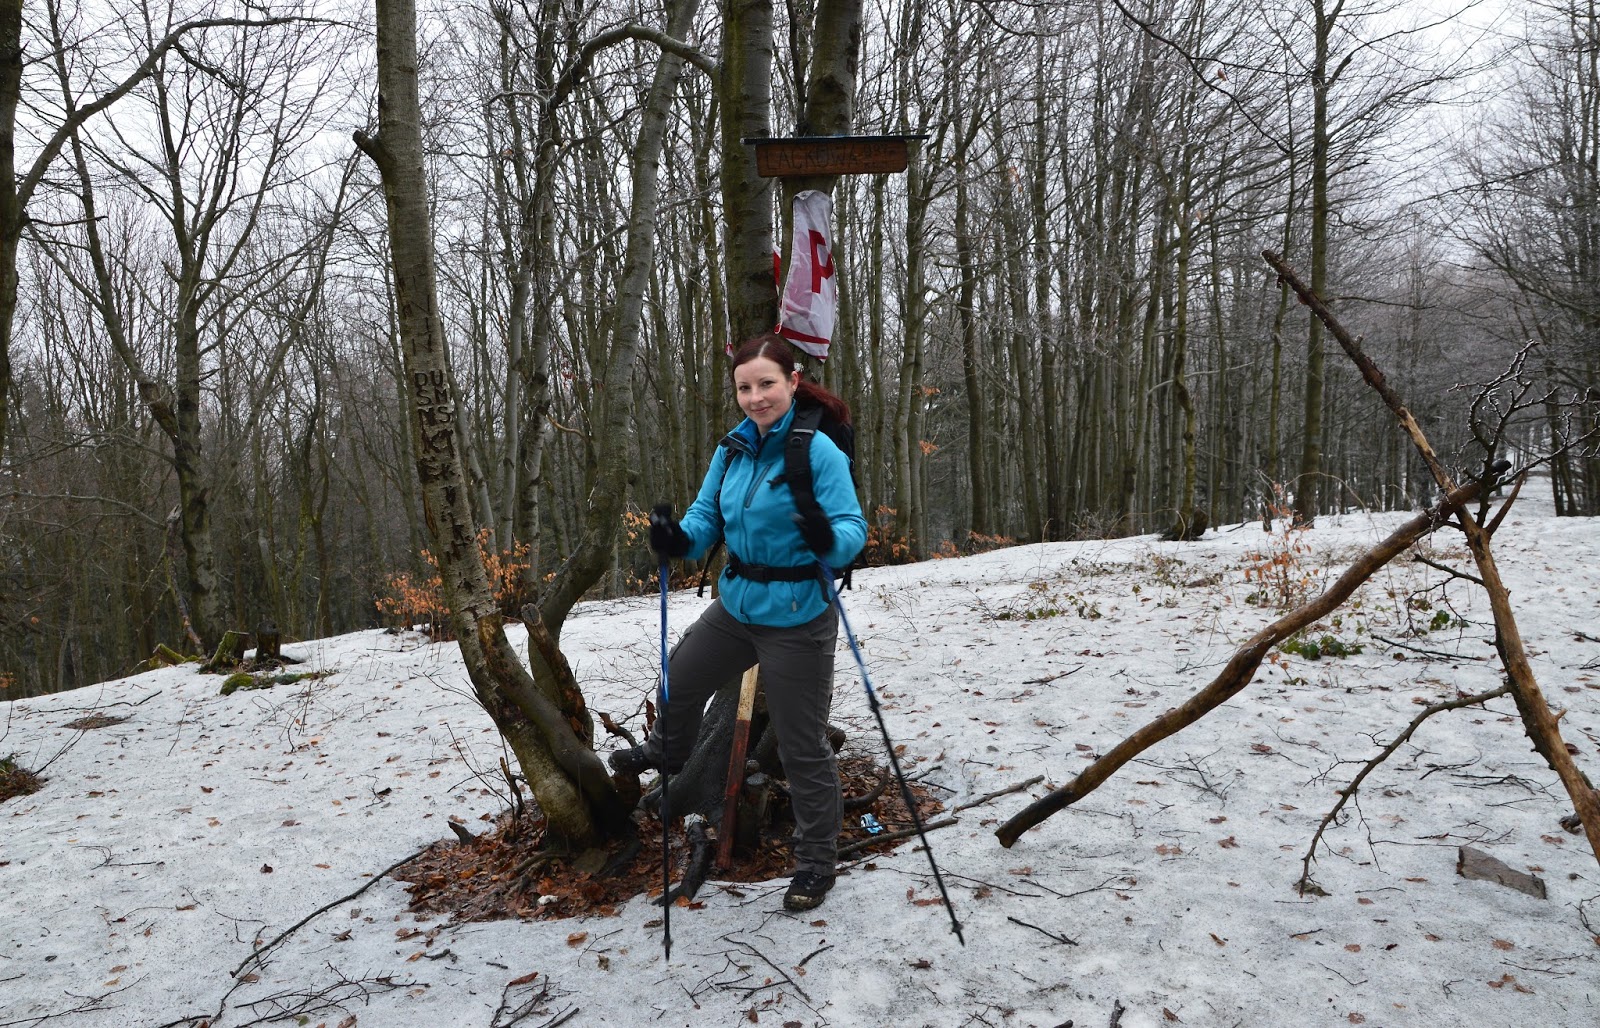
point(163, 848)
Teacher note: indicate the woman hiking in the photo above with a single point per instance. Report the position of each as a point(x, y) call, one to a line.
point(773, 608)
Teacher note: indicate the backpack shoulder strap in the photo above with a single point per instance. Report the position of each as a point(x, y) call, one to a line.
point(797, 461)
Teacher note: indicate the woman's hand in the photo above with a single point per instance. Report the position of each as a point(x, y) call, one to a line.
point(817, 533)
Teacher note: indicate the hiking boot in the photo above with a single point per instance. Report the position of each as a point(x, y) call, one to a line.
point(807, 890)
point(631, 761)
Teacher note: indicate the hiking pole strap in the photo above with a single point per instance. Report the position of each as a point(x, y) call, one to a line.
point(910, 801)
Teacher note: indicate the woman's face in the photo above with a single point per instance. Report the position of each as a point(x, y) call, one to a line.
point(764, 391)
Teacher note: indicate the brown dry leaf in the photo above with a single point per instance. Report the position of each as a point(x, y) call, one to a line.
point(1430, 937)
point(1219, 940)
point(752, 1015)
point(250, 978)
point(1169, 1015)
point(1503, 944)
point(1364, 901)
point(576, 938)
point(1352, 947)
point(1355, 1018)
point(349, 1022)
point(524, 980)
point(1217, 820)
point(1169, 851)
point(1261, 747)
point(1230, 843)
point(119, 969)
point(921, 963)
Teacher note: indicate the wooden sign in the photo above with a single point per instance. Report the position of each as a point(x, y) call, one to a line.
point(830, 155)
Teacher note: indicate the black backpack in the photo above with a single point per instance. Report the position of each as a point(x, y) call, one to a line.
point(809, 419)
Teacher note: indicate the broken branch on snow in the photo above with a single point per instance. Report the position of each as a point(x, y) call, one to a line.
point(1239, 670)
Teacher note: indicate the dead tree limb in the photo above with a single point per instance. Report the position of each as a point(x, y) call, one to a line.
point(1239, 670)
point(1349, 791)
point(986, 797)
point(874, 840)
point(1537, 719)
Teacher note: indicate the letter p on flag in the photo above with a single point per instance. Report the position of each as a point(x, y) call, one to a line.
point(811, 293)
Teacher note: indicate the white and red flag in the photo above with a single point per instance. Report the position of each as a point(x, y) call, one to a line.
point(811, 294)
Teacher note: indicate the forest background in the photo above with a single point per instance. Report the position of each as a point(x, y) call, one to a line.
point(1057, 324)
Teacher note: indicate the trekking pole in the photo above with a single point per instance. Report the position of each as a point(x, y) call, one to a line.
point(666, 861)
point(888, 744)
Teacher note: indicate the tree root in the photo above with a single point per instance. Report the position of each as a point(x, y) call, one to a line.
point(699, 865)
point(854, 803)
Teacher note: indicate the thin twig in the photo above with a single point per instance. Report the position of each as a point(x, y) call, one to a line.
point(1447, 569)
point(1349, 791)
point(1053, 935)
point(1429, 653)
point(1047, 679)
point(781, 973)
point(374, 880)
point(808, 956)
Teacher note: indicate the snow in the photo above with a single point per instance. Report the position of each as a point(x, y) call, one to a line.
point(163, 848)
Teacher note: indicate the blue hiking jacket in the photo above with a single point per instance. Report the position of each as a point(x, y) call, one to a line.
point(738, 505)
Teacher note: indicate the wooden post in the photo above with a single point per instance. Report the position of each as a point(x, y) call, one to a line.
point(736, 753)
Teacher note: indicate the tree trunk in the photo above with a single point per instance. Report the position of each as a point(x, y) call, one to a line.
point(567, 779)
point(11, 207)
point(745, 96)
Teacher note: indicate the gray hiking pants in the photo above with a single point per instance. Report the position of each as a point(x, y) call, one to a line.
point(797, 675)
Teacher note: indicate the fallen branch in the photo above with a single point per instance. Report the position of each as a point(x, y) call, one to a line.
point(374, 880)
point(1537, 719)
point(1035, 780)
point(905, 833)
point(1349, 791)
point(1239, 670)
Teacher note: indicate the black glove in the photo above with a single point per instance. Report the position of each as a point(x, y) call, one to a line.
point(667, 537)
point(816, 531)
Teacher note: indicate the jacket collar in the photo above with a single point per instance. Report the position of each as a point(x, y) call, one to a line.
point(744, 436)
